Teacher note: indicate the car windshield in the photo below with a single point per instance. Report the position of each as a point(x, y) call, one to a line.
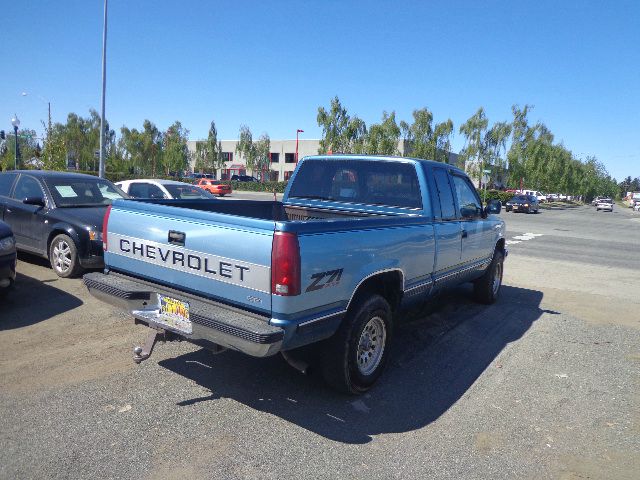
point(519, 198)
point(605, 200)
point(186, 192)
point(83, 192)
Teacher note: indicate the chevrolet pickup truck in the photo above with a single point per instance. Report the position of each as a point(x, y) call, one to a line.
point(354, 242)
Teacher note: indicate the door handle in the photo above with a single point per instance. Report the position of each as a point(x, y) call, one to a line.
point(464, 234)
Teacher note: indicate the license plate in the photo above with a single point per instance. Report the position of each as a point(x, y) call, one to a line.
point(174, 313)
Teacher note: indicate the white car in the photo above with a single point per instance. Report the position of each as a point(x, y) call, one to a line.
point(152, 188)
point(539, 195)
point(604, 204)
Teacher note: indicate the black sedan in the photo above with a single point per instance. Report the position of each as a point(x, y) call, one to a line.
point(523, 203)
point(57, 215)
point(7, 258)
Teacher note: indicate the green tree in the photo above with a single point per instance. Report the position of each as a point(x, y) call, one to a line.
point(382, 139)
point(175, 156)
point(263, 156)
point(442, 140)
point(246, 148)
point(209, 153)
point(419, 135)
point(474, 153)
point(340, 132)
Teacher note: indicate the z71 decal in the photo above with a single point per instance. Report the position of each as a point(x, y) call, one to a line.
point(325, 280)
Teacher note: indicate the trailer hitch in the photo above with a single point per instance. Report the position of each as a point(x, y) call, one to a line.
point(142, 353)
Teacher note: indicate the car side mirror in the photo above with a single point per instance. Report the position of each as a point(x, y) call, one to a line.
point(38, 201)
point(494, 206)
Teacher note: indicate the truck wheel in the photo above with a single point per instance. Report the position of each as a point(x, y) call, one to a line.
point(353, 359)
point(487, 287)
point(63, 257)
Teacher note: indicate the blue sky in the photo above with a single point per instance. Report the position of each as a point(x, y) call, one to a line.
point(270, 65)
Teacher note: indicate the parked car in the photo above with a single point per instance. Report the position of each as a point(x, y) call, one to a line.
point(541, 197)
point(595, 201)
point(158, 189)
point(355, 241)
point(57, 215)
point(605, 204)
point(216, 187)
point(243, 178)
point(637, 207)
point(523, 203)
point(8, 258)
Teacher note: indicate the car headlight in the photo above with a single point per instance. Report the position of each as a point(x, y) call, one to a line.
point(526, 204)
point(7, 245)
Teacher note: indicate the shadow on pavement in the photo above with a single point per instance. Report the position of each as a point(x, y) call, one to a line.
point(32, 301)
point(436, 358)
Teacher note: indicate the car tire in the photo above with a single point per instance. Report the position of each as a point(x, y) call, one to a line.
point(487, 288)
point(354, 357)
point(63, 256)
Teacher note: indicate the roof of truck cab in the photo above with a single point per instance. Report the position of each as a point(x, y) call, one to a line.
point(386, 158)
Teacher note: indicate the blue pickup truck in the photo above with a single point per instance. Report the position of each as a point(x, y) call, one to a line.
point(355, 241)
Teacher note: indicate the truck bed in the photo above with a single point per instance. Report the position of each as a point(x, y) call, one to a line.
point(273, 210)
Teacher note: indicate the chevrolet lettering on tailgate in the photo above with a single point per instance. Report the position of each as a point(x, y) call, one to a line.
point(255, 277)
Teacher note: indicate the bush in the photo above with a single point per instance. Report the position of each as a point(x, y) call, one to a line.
point(504, 197)
point(278, 187)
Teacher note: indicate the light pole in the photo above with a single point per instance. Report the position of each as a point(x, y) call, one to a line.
point(104, 86)
point(15, 121)
point(297, 132)
point(24, 94)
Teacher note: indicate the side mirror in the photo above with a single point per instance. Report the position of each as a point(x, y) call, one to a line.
point(38, 201)
point(494, 206)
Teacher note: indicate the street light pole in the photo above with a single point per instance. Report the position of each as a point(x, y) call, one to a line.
point(15, 121)
point(104, 85)
point(297, 132)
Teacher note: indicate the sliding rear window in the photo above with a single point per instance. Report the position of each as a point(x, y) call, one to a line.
point(373, 182)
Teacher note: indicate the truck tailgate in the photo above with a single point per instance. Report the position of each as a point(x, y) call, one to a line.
point(218, 256)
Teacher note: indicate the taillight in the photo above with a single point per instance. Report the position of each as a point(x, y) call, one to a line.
point(285, 264)
point(105, 222)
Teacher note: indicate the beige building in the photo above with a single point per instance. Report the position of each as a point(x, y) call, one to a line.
point(283, 157)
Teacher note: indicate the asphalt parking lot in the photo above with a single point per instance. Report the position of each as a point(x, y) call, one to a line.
point(543, 384)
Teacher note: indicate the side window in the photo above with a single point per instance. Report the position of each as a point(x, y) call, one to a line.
point(145, 190)
point(447, 205)
point(6, 181)
point(27, 187)
point(468, 201)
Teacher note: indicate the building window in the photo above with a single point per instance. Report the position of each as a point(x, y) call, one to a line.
point(228, 156)
point(289, 158)
point(287, 176)
point(275, 157)
point(274, 176)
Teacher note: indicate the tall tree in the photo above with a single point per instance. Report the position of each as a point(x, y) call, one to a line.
point(247, 148)
point(209, 153)
point(175, 157)
point(474, 152)
point(442, 140)
point(263, 156)
point(340, 132)
point(419, 135)
point(382, 139)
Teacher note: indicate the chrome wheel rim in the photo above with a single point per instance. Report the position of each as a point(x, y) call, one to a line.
point(62, 256)
point(371, 346)
point(497, 278)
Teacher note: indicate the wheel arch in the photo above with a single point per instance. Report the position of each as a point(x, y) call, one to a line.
point(62, 228)
point(387, 283)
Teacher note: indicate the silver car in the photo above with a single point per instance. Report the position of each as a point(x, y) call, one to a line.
point(605, 204)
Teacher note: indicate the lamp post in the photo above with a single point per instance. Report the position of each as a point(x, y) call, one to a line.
point(104, 86)
point(15, 121)
point(297, 132)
